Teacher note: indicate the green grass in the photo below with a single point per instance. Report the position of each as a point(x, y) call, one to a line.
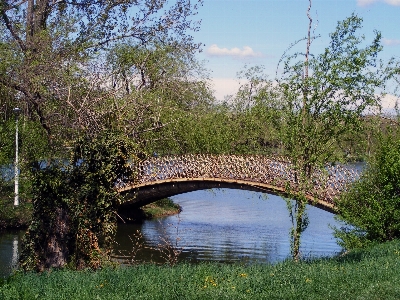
point(163, 207)
point(370, 274)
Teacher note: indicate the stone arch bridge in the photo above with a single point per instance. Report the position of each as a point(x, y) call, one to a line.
point(171, 175)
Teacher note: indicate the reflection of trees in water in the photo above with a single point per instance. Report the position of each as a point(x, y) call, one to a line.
point(238, 243)
point(160, 236)
point(210, 235)
point(132, 246)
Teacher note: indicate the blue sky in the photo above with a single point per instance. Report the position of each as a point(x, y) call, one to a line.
point(236, 33)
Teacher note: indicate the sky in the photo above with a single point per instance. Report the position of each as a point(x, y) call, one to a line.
point(236, 33)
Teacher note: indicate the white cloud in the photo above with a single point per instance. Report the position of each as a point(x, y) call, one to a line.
point(389, 101)
point(368, 2)
point(224, 87)
point(365, 2)
point(390, 42)
point(245, 52)
point(393, 2)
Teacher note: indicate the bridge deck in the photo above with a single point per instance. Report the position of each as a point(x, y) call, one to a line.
point(261, 173)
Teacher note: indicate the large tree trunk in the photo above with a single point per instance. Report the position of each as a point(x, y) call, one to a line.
point(56, 250)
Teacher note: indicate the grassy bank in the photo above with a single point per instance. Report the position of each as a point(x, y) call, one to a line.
point(369, 274)
point(161, 208)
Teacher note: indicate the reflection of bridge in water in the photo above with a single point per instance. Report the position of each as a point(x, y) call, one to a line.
point(172, 175)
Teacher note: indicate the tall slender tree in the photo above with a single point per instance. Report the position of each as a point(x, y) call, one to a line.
point(325, 97)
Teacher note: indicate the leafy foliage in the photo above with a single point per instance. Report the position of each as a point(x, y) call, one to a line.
point(53, 55)
point(159, 87)
point(73, 69)
point(370, 209)
point(10, 216)
point(75, 204)
point(324, 99)
point(341, 87)
point(33, 148)
point(242, 124)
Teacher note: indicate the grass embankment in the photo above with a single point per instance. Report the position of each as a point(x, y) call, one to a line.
point(370, 274)
point(160, 208)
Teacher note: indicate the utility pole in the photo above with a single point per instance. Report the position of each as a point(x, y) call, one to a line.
point(16, 111)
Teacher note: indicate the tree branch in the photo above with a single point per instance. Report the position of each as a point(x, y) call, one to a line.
point(11, 30)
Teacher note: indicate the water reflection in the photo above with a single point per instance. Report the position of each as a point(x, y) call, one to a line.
point(10, 246)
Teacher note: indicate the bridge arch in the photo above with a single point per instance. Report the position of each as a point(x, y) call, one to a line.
point(171, 175)
point(147, 193)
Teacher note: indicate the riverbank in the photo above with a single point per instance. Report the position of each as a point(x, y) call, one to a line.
point(161, 208)
point(369, 274)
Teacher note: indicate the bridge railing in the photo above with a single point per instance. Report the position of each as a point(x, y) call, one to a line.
point(278, 172)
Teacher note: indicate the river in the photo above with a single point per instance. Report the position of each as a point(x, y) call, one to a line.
point(221, 225)
point(234, 225)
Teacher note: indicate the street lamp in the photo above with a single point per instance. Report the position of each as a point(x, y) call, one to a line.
point(16, 111)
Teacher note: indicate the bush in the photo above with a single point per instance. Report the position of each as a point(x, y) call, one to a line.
point(370, 209)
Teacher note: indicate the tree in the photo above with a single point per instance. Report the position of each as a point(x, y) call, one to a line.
point(165, 84)
point(255, 110)
point(324, 98)
point(370, 209)
point(53, 66)
point(75, 204)
point(54, 61)
point(49, 48)
point(240, 125)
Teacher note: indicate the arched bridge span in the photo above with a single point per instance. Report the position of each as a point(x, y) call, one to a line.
point(167, 176)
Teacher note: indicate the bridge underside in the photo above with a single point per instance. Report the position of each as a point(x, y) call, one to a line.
point(143, 194)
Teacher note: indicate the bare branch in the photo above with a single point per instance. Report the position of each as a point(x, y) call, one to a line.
point(11, 30)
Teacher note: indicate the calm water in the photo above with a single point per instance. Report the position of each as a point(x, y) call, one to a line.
point(215, 225)
point(10, 246)
point(232, 225)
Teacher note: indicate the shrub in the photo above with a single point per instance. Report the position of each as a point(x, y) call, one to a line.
point(370, 209)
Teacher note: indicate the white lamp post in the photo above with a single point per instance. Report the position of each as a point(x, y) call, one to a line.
point(16, 111)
